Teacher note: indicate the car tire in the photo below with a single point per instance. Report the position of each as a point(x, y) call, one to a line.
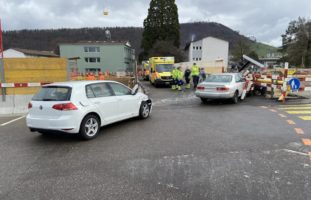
point(89, 127)
point(144, 110)
point(204, 100)
point(235, 98)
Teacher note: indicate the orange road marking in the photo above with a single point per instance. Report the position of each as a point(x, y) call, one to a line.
point(283, 116)
point(272, 110)
point(306, 142)
point(299, 131)
point(291, 122)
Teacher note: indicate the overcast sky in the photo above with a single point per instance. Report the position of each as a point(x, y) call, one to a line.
point(264, 19)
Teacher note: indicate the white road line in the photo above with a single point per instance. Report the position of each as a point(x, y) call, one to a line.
point(14, 120)
point(295, 152)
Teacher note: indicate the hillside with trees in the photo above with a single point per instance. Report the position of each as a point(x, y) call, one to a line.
point(49, 39)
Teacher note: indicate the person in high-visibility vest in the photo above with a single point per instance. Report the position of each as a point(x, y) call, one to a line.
point(101, 76)
point(174, 77)
point(187, 77)
point(195, 72)
point(179, 77)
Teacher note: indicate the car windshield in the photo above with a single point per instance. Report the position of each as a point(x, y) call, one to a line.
point(53, 93)
point(219, 79)
point(164, 67)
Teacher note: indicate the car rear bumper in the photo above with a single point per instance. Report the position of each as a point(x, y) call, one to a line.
point(214, 95)
point(67, 124)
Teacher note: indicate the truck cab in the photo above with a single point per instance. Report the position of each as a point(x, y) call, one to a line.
point(160, 70)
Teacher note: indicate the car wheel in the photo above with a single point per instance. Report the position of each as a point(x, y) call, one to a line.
point(89, 127)
point(204, 100)
point(235, 98)
point(144, 111)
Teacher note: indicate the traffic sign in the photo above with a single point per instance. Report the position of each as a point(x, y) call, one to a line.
point(294, 84)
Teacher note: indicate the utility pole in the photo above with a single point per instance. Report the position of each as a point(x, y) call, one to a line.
point(3, 91)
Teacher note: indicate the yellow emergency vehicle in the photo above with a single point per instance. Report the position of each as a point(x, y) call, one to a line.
point(160, 70)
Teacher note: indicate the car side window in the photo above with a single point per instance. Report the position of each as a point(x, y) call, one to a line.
point(98, 90)
point(238, 78)
point(120, 90)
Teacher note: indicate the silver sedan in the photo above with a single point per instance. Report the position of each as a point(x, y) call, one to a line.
point(221, 86)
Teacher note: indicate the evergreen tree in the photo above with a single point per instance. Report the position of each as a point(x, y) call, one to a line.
point(297, 43)
point(161, 24)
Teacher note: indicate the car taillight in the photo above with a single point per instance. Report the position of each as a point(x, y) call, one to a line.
point(222, 89)
point(200, 88)
point(65, 106)
point(29, 105)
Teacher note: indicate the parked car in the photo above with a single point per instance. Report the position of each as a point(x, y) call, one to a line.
point(221, 86)
point(83, 107)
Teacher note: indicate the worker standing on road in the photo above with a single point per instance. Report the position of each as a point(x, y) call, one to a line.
point(174, 82)
point(179, 78)
point(202, 75)
point(195, 72)
point(187, 77)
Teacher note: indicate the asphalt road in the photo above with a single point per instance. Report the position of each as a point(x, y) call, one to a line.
point(185, 150)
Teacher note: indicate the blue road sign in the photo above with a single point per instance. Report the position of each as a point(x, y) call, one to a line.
point(294, 84)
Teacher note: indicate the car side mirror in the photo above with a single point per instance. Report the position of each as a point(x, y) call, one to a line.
point(135, 89)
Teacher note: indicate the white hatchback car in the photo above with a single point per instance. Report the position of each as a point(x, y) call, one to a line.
point(84, 106)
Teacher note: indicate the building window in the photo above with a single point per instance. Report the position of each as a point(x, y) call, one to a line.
point(200, 59)
point(92, 60)
point(194, 48)
point(200, 48)
point(197, 48)
point(91, 49)
point(193, 59)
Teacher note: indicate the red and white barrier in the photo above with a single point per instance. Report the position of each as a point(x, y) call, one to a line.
point(19, 85)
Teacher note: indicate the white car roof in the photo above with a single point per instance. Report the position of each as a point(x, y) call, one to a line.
point(79, 83)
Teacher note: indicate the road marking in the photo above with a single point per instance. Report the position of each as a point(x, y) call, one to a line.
point(291, 122)
point(306, 142)
point(299, 112)
point(298, 105)
point(296, 152)
point(305, 117)
point(263, 107)
point(283, 116)
point(296, 108)
point(310, 155)
point(14, 120)
point(299, 131)
point(272, 110)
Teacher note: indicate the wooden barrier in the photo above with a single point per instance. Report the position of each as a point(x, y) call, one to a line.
point(27, 70)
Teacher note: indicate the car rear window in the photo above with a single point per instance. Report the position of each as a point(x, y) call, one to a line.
point(53, 93)
point(219, 79)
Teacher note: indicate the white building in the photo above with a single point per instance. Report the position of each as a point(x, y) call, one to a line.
point(26, 53)
point(211, 51)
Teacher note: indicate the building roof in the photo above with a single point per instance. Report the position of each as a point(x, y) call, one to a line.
point(188, 43)
point(36, 52)
point(127, 43)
